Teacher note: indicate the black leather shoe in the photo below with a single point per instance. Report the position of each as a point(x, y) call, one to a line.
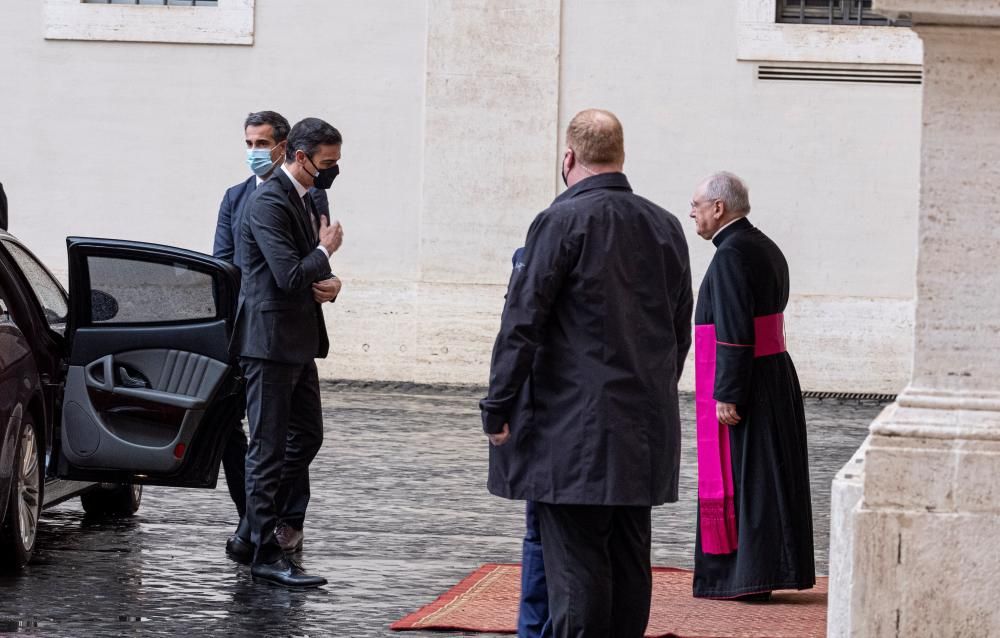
point(239, 549)
point(285, 573)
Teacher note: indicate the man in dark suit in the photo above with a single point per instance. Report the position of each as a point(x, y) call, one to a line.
point(283, 253)
point(266, 134)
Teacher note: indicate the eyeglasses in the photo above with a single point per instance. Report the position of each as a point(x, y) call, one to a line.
point(697, 204)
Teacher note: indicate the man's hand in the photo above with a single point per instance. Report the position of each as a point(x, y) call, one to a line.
point(500, 437)
point(331, 236)
point(727, 413)
point(326, 290)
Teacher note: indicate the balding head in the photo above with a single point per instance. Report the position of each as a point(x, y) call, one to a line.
point(594, 144)
point(596, 137)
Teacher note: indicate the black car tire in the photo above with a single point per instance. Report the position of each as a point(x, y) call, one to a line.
point(120, 500)
point(20, 529)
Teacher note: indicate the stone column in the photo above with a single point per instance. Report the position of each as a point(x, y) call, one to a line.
point(926, 533)
point(490, 165)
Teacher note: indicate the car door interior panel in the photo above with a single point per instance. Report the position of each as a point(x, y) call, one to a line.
point(140, 406)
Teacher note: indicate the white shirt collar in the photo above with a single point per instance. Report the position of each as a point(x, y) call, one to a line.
point(299, 188)
point(258, 182)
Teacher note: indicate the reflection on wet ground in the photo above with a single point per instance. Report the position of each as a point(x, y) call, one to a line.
point(399, 514)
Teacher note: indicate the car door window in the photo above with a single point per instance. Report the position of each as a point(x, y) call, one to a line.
point(125, 291)
point(47, 290)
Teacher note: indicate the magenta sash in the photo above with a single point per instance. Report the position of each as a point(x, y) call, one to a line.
point(717, 515)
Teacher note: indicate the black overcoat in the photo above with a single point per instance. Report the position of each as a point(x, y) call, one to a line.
point(593, 338)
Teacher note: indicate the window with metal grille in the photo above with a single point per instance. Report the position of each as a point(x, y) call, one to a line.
point(837, 12)
point(162, 3)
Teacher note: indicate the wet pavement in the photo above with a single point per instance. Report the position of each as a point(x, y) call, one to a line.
point(399, 514)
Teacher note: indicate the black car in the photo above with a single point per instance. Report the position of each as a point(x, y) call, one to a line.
point(127, 380)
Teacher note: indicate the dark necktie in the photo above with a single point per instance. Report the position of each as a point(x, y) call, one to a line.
point(312, 219)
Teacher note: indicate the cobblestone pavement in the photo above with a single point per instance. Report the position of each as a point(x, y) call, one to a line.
point(399, 514)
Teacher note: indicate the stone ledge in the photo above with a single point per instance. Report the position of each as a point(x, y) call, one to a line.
point(958, 12)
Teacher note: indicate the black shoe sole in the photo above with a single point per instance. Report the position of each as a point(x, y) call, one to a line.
point(275, 583)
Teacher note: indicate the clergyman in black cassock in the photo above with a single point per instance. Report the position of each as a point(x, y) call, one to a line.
point(755, 532)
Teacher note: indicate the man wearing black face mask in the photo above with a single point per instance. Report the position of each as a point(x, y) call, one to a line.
point(266, 135)
point(283, 253)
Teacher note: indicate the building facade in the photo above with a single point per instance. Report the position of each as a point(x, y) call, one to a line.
point(125, 120)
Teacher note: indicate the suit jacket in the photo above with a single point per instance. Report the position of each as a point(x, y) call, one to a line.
point(277, 318)
point(227, 228)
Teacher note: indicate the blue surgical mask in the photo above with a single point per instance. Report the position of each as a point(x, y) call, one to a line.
point(259, 160)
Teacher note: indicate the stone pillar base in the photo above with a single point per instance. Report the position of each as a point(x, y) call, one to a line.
point(925, 559)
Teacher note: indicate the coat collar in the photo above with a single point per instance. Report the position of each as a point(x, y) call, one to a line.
point(616, 181)
point(286, 182)
point(300, 219)
point(289, 188)
point(732, 229)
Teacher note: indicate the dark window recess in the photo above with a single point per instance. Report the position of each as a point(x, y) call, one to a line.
point(849, 12)
point(161, 3)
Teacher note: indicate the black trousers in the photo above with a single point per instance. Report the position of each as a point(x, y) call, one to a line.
point(286, 431)
point(234, 461)
point(597, 568)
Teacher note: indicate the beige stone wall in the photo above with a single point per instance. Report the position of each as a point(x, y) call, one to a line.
point(452, 114)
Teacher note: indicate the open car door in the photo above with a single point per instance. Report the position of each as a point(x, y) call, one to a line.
point(151, 390)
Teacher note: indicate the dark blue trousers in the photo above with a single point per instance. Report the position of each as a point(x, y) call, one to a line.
point(533, 614)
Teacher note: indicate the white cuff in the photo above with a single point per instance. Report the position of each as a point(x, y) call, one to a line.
point(322, 248)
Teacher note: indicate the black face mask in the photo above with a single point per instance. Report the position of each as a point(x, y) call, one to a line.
point(323, 179)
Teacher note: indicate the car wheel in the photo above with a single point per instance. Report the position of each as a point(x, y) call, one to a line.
point(25, 503)
point(115, 500)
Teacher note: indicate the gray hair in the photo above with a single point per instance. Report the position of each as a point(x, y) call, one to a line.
point(731, 190)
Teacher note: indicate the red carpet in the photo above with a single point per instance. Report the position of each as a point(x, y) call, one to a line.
point(486, 601)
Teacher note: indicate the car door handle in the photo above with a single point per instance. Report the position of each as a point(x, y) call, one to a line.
point(131, 379)
point(100, 374)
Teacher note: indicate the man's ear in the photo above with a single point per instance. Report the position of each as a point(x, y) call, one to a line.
point(719, 209)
